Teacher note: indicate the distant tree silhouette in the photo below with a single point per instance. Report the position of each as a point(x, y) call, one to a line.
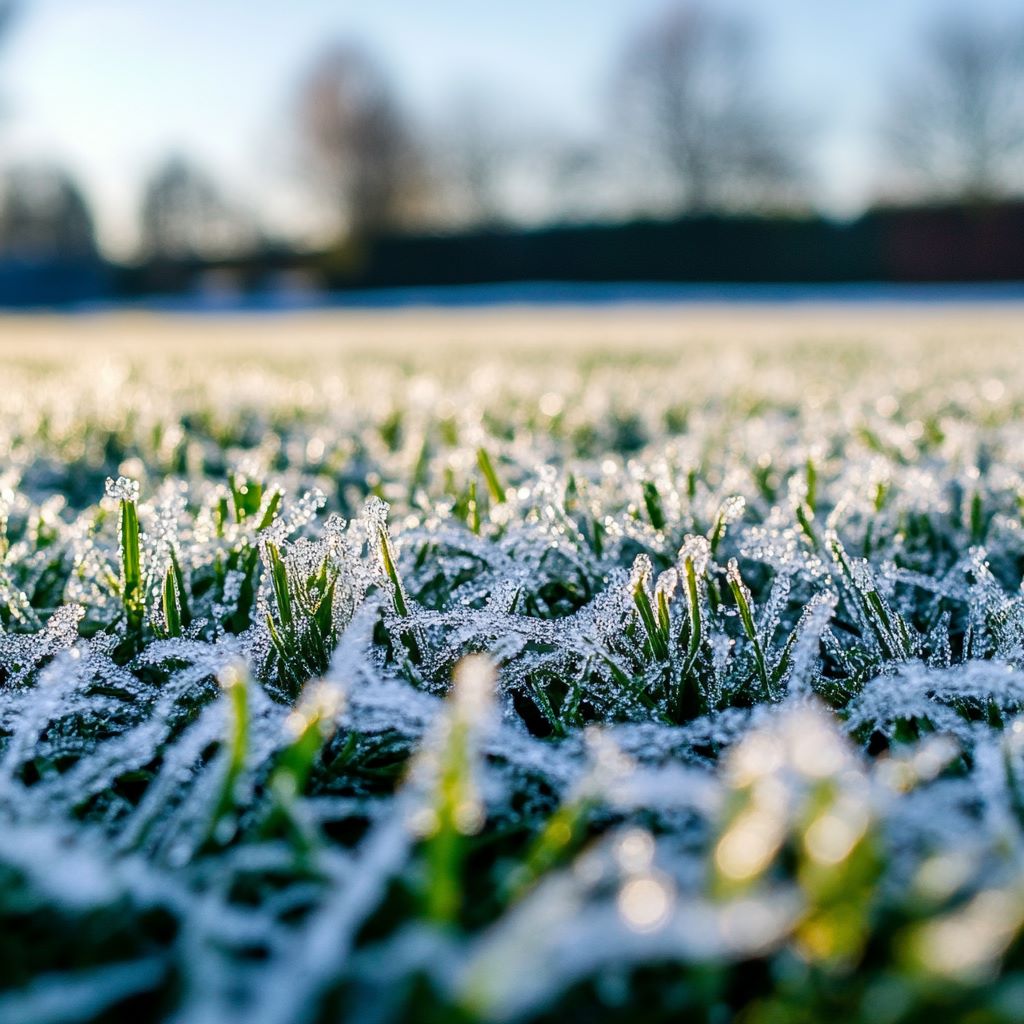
point(185, 215)
point(495, 163)
point(44, 216)
point(356, 144)
point(688, 93)
point(472, 152)
point(955, 126)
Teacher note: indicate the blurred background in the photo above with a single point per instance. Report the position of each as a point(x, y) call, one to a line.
point(249, 151)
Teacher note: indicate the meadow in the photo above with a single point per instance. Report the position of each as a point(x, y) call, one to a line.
point(607, 664)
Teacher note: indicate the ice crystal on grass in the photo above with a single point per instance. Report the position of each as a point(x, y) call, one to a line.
point(122, 489)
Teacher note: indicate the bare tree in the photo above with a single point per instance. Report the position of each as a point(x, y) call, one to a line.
point(44, 215)
point(494, 164)
point(43, 212)
point(185, 215)
point(955, 126)
point(473, 151)
point(356, 143)
point(688, 92)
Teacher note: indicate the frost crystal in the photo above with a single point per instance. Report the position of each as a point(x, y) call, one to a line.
point(122, 489)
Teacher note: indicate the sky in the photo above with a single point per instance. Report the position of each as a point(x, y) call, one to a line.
point(110, 87)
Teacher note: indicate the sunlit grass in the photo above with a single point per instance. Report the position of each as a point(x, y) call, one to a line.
point(345, 677)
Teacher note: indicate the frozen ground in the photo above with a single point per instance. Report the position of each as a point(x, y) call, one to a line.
point(731, 598)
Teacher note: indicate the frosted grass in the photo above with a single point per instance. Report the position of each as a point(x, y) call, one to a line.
point(738, 720)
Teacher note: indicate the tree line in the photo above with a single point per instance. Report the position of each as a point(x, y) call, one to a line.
point(693, 127)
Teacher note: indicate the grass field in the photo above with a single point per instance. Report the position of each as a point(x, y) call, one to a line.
point(566, 664)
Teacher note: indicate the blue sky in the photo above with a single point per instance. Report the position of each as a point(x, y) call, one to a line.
point(110, 86)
